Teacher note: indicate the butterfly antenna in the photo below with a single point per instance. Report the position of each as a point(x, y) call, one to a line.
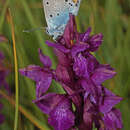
point(34, 29)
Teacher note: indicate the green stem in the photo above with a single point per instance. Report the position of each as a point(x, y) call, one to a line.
point(16, 72)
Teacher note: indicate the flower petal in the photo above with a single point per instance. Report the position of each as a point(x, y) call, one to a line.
point(62, 58)
point(90, 90)
point(101, 74)
point(43, 79)
point(92, 63)
point(95, 42)
point(43, 85)
point(80, 66)
point(87, 116)
point(108, 100)
point(63, 74)
point(58, 46)
point(44, 59)
point(74, 95)
point(62, 117)
point(70, 31)
point(113, 120)
point(59, 108)
point(48, 102)
point(33, 72)
point(84, 37)
point(77, 48)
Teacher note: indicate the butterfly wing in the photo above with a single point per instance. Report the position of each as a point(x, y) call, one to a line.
point(57, 15)
point(73, 6)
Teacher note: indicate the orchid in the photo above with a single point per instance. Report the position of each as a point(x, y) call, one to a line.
point(81, 76)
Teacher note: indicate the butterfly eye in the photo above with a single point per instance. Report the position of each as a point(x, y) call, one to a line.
point(47, 3)
point(66, 0)
point(57, 14)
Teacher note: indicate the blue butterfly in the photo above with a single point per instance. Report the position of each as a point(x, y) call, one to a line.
point(57, 15)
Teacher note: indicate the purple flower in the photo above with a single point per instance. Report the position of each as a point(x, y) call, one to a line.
point(80, 66)
point(102, 73)
point(112, 120)
point(99, 109)
point(82, 41)
point(59, 109)
point(81, 76)
point(3, 74)
point(42, 75)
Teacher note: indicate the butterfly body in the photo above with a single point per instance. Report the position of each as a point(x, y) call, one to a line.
point(57, 15)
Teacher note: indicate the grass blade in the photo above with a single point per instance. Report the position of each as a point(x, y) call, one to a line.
point(16, 70)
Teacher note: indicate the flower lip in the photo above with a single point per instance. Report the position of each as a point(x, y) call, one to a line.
point(78, 48)
point(59, 109)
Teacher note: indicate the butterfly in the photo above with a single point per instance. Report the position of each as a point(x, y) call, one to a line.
point(57, 15)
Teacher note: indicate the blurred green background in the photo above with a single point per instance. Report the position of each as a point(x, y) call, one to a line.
point(111, 17)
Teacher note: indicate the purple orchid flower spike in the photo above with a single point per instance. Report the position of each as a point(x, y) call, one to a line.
point(81, 76)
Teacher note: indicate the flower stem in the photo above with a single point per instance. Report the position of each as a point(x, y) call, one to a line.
point(16, 70)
